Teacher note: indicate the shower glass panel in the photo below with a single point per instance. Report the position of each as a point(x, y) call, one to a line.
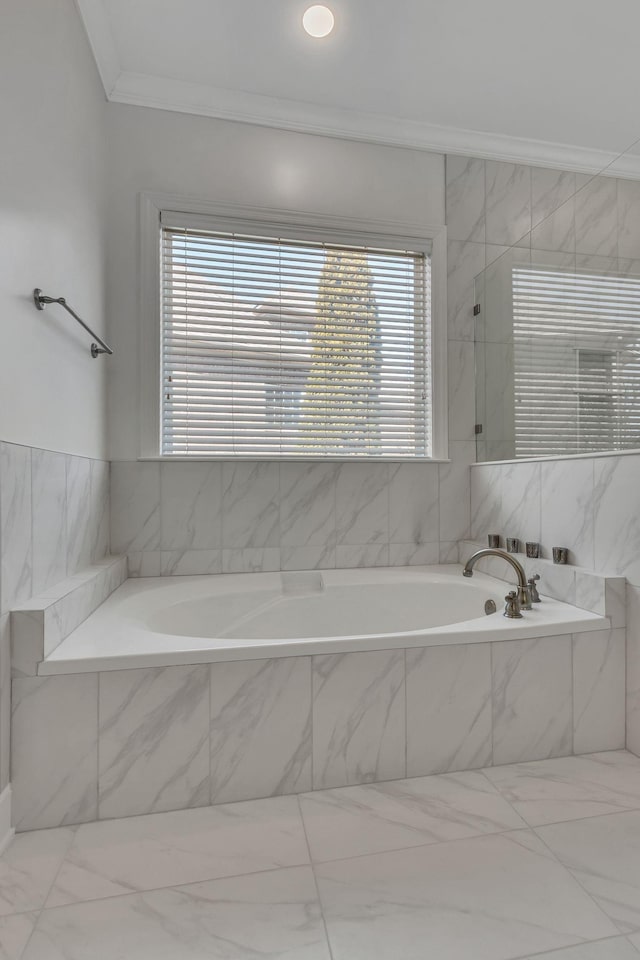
point(557, 334)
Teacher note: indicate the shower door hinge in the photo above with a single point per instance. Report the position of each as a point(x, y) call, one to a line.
point(478, 429)
point(476, 309)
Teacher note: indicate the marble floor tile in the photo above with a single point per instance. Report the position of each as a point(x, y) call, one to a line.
point(488, 898)
point(603, 854)
point(28, 868)
point(14, 933)
point(274, 915)
point(163, 850)
point(570, 788)
point(352, 821)
point(614, 948)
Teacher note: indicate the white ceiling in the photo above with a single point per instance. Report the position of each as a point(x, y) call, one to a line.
point(548, 81)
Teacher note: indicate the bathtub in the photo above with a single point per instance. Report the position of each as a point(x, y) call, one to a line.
point(183, 691)
point(203, 619)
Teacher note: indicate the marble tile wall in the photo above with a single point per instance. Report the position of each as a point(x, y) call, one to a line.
point(113, 744)
point(54, 521)
point(189, 518)
point(552, 217)
point(192, 518)
point(590, 505)
point(40, 624)
point(605, 595)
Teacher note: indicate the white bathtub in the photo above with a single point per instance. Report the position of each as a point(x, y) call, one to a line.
point(187, 620)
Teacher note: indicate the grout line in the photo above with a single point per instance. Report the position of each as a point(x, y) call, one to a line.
point(209, 726)
point(40, 911)
point(590, 816)
point(315, 879)
point(311, 862)
point(427, 845)
point(311, 716)
point(31, 524)
point(531, 829)
point(406, 719)
point(572, 644)
point(492, 698)
point(98, 738)
point(176, 886)
point(161, 473)
point(557, 951)
point(576, 880)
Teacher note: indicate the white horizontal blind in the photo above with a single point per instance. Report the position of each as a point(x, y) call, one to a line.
point(278, 347)
point(576, 361)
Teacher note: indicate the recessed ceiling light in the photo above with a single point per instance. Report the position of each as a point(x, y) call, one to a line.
point(318, 20)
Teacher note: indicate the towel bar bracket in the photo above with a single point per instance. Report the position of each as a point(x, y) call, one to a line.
point(41, 301)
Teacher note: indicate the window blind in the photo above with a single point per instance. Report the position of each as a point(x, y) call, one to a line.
point(280, 347)
point(576, 361)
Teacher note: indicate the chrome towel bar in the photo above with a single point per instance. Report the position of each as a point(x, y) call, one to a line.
point(41, 301)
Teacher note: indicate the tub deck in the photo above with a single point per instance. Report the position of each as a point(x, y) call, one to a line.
point(126, 631)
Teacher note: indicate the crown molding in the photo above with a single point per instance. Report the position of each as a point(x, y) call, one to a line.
point(165, 93)
point(103, 46)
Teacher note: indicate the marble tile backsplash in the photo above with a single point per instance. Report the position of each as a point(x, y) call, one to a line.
point(54, 521)
point(192, 518)
point(591, 506)
point(54, 511)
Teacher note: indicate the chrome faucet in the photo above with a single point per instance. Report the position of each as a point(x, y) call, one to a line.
point(524, 594)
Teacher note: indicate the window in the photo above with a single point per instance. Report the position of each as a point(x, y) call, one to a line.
point(576, 354)
point(280, 343)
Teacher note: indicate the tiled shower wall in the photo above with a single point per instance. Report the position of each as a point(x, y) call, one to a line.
point(492, 205)
point(54, 511)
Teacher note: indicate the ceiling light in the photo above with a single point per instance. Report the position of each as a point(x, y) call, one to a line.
point(318, 20)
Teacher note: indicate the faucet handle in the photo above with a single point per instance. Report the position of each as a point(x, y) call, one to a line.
point(512, 608)
point(533, 590)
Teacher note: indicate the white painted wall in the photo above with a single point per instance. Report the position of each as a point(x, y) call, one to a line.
point(52, 172)
point(237, 163)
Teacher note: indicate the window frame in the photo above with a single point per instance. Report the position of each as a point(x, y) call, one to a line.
point(310, 226)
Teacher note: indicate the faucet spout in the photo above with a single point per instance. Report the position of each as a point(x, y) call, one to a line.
point(524, 597)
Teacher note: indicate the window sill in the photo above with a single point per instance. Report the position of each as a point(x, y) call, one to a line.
point(320, 459)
